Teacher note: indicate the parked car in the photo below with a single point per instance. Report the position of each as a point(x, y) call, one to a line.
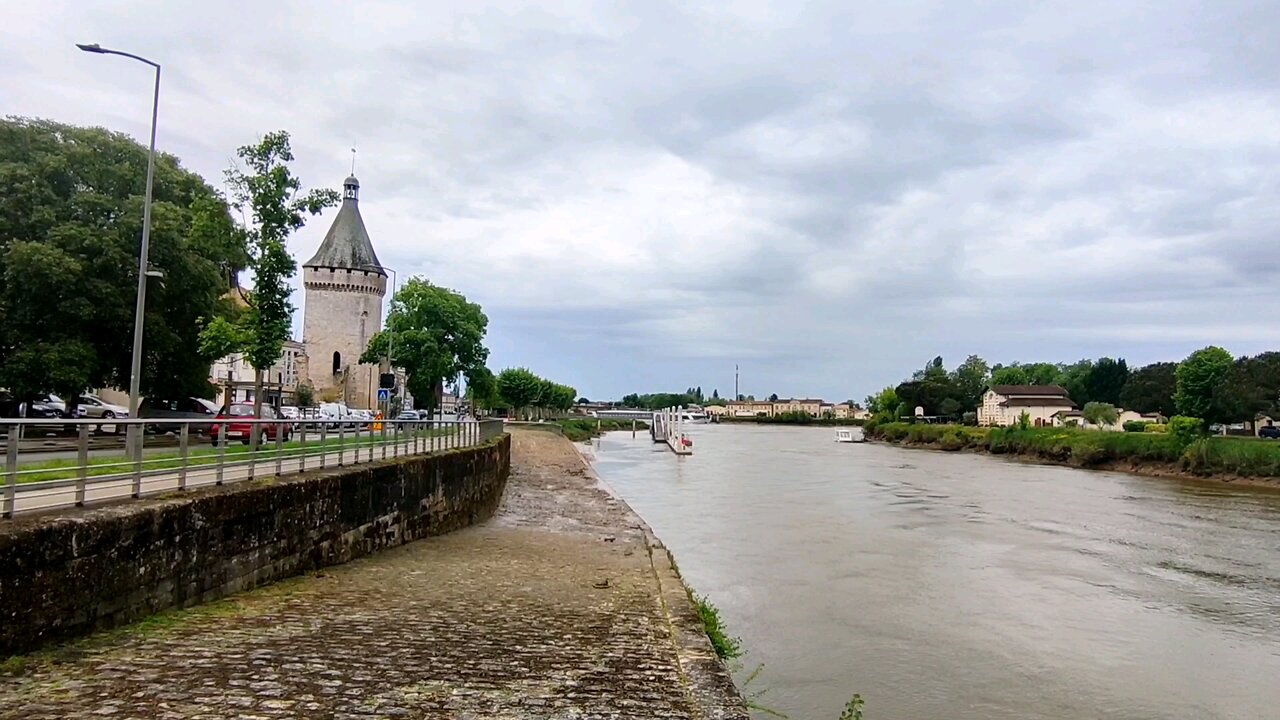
point(337, 416)
point(364, 418)
point(181, 409)
point(92, 406)
point(1269, 431)
point(409, 415)
point(238, 418)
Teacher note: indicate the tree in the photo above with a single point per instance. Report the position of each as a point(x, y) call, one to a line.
point(773, 397)
point(70, 221)
point(482, 388)
point(434, 334)
point(969, 380)
point(1100, 413)
point(1075, 379)
point(306, 394)
point(1251, 387)
point(518, 388)
point(1199, 378)
point(884, 402)
point(715, 394)
point(949, 406)
point(1106, 380)
point(1151, 388)
point(1013, 374)
point(276, 208)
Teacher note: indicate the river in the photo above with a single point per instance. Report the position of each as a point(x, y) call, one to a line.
point(957, 586)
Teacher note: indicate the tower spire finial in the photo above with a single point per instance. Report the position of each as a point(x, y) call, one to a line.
point(353, 161)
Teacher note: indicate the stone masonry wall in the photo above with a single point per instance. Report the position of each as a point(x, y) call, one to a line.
point(68, 575)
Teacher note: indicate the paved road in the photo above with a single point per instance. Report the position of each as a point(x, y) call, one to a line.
point(560, 607)
point(43, 496)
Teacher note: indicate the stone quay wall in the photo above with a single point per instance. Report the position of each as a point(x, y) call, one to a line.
point(66, 575)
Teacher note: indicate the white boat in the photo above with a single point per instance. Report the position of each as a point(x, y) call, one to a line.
point(850, 435)
point(694, 417)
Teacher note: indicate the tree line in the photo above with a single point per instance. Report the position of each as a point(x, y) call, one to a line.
point(658, 401)
point(1209, 384)
point(520, 391)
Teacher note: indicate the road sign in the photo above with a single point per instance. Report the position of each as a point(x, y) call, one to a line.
point(384, 394)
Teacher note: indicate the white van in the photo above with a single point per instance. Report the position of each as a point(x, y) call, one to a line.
point(338, 415)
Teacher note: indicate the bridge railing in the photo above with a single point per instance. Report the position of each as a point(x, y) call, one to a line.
point(64, 463)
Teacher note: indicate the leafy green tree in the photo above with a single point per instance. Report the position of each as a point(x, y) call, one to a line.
point(518, 388)
point(1250, 387)
point(276, 207)
point(949, 406)
point(715, 394)
point(482, 388)
point(1042, 373)
point(1075, 379)
point(434, 334)
point(70, 222)
point(1106, 380)
point(1199, 379)
point(969, 380)
point(305, 394)
point(1013, 374)
point(1100, 413)
point(1151, 388)
point(884, 402)
point(773, 397)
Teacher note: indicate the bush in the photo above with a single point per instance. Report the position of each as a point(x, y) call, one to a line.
point(1135, 426)
point(1187, 430)
point(726, 647)
point(1156, 428)
point(969, 418)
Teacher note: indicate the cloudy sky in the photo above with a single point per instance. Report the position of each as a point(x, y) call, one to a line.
point(828, 194)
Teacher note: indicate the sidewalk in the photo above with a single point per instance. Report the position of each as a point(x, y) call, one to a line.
point(562, 606)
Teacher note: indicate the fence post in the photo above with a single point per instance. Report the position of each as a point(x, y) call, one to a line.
point(302, 446)
point(222, 451)
point(82, 456)
point(11, 470)
point(138, 435)
point(183, 445)
point(395, 449)
point(324, 442)
point(279, 448)
point(342, 437)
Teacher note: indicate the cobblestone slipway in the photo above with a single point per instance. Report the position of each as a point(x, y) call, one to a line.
point(562, 606)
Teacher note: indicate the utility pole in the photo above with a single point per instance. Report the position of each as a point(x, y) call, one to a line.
point(735, 382)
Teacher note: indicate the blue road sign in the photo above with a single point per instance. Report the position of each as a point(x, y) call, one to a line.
point(384, 394)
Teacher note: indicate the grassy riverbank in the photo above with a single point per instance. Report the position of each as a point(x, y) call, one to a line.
point(1157, 453)
point(580, 429)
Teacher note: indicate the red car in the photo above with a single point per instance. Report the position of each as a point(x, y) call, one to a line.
point(243, 429)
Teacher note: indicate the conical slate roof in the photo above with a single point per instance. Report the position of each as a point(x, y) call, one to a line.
point(347, 244)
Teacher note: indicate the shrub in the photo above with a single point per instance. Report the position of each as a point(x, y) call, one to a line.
point(726, 647)
point(1135, 426)
point(1186, 429)
point(1156, 428)
point(969, 418)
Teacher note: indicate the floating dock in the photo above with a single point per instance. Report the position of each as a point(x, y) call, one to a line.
point(667, 428)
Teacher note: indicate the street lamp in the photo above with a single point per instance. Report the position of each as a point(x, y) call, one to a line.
point(135, 370)
point(391, 334)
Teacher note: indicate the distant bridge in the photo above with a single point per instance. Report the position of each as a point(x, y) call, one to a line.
point(623, 414)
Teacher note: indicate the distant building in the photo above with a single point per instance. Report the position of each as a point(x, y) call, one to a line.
point(233, 377)
point(794, 405)
point(750, 408)
point(1004, 404)
point(716, 410)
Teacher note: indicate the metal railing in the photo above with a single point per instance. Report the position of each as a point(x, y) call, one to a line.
point(178, 454)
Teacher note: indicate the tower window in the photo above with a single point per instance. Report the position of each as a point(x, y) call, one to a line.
point(337, 362)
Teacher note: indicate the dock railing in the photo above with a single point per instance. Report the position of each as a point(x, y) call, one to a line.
point(74, 462)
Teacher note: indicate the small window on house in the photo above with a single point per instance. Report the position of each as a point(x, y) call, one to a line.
point(337, 362)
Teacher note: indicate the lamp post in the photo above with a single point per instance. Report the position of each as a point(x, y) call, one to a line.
point(391, 334)
point(135, 370)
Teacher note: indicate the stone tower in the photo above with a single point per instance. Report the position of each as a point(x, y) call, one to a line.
point(344, 285)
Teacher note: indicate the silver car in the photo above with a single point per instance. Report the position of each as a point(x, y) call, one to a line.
point(92, 406)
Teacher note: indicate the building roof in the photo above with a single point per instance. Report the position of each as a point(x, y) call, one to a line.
point(1033, 390)
point(347, 244)
point(1041, 401)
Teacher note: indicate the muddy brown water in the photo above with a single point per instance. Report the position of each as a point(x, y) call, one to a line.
point(958, 586)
